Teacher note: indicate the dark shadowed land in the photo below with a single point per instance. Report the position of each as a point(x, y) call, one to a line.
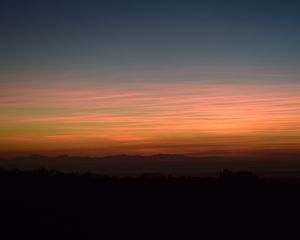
point(48, 204)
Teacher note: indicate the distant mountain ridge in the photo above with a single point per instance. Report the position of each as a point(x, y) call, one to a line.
point(162, 163)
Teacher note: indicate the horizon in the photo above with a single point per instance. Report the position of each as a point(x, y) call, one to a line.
point(283, 165)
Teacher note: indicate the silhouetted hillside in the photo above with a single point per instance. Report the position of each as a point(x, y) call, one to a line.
point(47, 204)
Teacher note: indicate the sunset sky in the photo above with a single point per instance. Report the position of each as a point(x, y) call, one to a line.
point(146, 77)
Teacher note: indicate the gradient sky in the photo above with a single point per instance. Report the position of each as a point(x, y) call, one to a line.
point(146, 77)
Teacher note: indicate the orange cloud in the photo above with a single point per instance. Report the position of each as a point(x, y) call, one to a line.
point(152, 116)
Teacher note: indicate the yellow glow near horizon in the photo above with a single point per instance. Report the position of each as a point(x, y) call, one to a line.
point(189, 118)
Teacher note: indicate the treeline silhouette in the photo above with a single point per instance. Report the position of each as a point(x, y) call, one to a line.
point(48, 204)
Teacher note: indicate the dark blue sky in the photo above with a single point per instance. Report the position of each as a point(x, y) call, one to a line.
point(106, 34)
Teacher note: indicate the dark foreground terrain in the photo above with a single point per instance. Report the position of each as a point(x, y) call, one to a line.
point(43, 204)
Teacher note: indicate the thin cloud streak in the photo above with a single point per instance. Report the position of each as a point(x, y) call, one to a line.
point(151, 112)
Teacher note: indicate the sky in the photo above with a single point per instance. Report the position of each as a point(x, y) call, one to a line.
point(147, 77)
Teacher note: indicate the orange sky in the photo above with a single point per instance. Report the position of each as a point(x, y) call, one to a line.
point(148, 118)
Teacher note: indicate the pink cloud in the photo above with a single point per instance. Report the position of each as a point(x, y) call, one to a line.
point(152, 111)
